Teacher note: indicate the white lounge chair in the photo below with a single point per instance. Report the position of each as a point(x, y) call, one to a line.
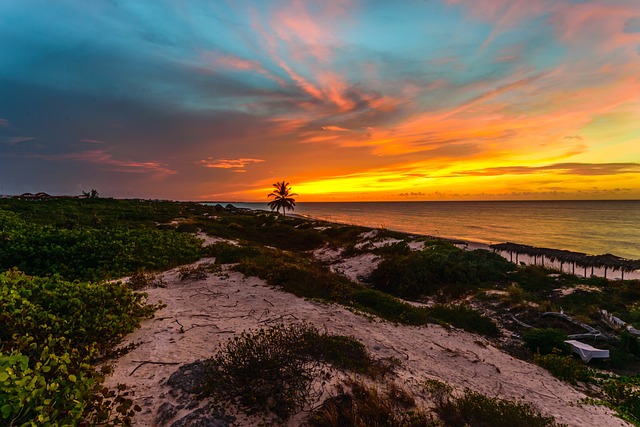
point(587, 352)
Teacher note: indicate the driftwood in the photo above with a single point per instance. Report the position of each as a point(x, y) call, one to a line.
point(593, 337)
point(617, 323)
point(563, 316)
point(592, 333)
point(520, 323)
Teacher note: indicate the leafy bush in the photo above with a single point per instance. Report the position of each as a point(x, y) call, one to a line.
point(272, 370)
point(624, 395)
point(400, 248)
point(226, 253)
point(299, 275)
point(99, 213)
point(93, 254)
point(625, 352)
point(388, 307)
point(564, 367)
point(441, 267)
point(187, 227)
point(264, 230)
point(464, 317)
point(52, 330)
point(476, 409)
point(544, 341)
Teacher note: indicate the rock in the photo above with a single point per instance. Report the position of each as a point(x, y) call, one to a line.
point(184, 385)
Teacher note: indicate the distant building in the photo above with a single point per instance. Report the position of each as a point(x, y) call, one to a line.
point(31, 196)
point(40, 196)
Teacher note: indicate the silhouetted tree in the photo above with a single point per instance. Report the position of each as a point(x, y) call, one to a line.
point(282, 198)
point(93, 194)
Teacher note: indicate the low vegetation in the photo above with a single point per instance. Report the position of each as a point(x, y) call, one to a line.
point(441, 269)
point(90, 253)
point(476, 409)
point(53, 331)
point(276, 370)
point(59, 316)
point(357, 404)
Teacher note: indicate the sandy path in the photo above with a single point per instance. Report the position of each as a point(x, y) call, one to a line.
point(212, 310)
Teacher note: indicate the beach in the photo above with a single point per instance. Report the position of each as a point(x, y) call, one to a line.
point(201, 314)
point(590, 227)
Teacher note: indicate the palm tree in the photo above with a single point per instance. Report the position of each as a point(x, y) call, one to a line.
point(282, 198)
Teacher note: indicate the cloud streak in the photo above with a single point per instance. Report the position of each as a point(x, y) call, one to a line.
point(344, 98)
point(583, 169)
point(236, 165)
point(100, 157)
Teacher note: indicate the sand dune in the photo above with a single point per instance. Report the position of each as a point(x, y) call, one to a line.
point(201, 314)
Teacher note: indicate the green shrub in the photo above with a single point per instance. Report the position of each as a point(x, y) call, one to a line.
point(564, 367)
point(400, 248)
point(624, 395)
point(226, 253)
point(464, 317)
point(93, 254)
point(256, 228)
point(388, 307)
point(272, 370)
point(52, 331)
point(476, 409)
point(625, 352)
point(439, 268)
point(301, 276)
point(544, 341)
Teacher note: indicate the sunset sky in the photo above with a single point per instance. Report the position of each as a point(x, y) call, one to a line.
point(346, 100)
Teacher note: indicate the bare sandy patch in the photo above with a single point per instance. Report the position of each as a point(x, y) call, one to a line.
point(202, 314)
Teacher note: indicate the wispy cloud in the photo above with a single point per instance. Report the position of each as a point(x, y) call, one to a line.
point(115, 165)
point(335, 128)
point(584, 169)
point(4, 123)
point(236, 165)
point(15, 140)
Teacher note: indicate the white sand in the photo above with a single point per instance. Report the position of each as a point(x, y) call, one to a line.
point(213, 310)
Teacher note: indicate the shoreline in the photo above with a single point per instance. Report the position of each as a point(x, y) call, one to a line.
point(582, 234)
point(467, 244)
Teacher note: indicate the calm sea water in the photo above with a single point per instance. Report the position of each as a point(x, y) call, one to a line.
point(593, 227)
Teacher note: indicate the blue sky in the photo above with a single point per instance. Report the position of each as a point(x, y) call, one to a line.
point(347, 100)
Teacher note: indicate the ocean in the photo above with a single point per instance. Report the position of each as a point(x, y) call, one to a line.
point(592, 227)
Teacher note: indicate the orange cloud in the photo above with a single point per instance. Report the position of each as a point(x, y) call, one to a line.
point(605, 25)
point(238, 164)
point(335, 128)
point(235, 63)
